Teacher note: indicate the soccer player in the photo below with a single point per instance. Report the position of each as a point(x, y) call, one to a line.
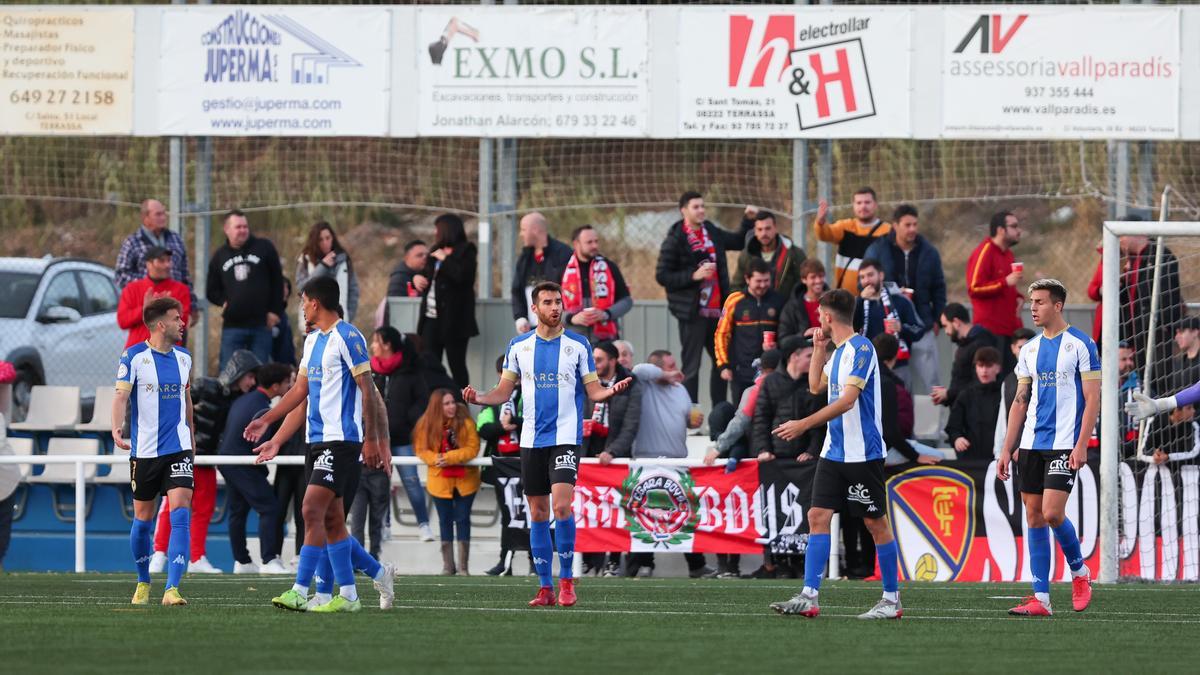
point(1051, 421)
point(555, 368)
point(346, 418)
point(161, 440)
point(849, 473)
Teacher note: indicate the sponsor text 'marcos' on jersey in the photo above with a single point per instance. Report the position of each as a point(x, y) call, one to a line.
point(552, 375)
point(856, 435)
point(158, 384)
point(1055, 367)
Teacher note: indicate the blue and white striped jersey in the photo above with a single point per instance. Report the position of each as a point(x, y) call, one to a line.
point(552, 374)
point(857, 435)
point(1056, 366)
point(331, 362)
point(158, 383)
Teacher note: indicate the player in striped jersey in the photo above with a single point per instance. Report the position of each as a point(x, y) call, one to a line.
point(556, 370)
point(346, 419)
point(849, 473)
point(154, 377)
point(1051, 421)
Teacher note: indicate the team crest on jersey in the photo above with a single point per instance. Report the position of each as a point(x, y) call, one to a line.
point(569, 350)
point(122, 371)
point(745, 315)
point(771, 312)
point(661, 506)
point(932, 512)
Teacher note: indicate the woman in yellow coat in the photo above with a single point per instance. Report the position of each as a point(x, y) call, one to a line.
point(445, 439)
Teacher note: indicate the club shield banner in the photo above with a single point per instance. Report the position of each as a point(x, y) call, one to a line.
point(274, 71)
point(953, 521)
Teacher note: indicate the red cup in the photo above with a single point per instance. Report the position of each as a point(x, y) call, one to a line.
point(768, 339)
point(587, 427)
point(1018, 267)
point(908, 293)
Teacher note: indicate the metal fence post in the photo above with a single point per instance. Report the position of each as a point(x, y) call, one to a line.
point(485, 218)
point(825, 191)
point(800, 193)
point(203, 203)
point(80, 519)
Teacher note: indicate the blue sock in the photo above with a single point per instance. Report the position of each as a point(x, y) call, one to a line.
point(888, 557)
point(310, 556)
point(339, 557)
point(177, 545)
point(564, 538)
point(815, 559)
point(324, 573)
point(363, 560)
point(539, 546)
point(1039, 558)
point(1069, 541)
point(140, 544)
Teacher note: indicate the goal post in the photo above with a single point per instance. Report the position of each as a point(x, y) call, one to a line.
point(1149, 511)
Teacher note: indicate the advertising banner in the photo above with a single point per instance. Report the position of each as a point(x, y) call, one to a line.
point(784, 72)
point(492, 71)
point(274, 71)
point(66, 71)
point(1029, 72)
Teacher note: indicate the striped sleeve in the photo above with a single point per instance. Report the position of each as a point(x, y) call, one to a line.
point(978, 285)
point(1089, 358)
point(725, 329)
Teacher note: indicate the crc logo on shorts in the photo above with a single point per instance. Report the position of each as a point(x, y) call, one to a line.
point(324, 461)
point(661, 506)
point(861, 494)
point(935, 508)
point(1059, 466)
point(565, 462)
point(182, 468)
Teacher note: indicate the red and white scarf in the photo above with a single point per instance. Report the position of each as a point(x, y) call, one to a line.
point(710, 290)
point(889, 312)
point(601, 283)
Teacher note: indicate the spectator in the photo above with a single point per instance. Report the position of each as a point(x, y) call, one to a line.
point(246, 486)
point(211, 401)
point(729, 427)
point(765, 243)
point(1137, 289)
point(445, 439)
point(914, 264)
point(799, 315)
point(433, 372)
point(447, 316)
point(883, 308)
point(625, 349)
point(970, 338)
point(369, 511)
point(246, 281)
point(283, 345)
point(1174, 437)
point(666, 416)
point(595, 297)
point(289, 487)
point(323, 256)
point(1183, 369)
point(500, 427)
point(156, 284)
point(131, 259)
point(749, 324)
point(1094, 292)
point(992, 279)
point(976, 426)
point(1020, 337)
point(407, 279)
point(693, 270)
point(10, 478)
point(853, 236)
point(543, 258)
point(897, 405)
point(396, 369)
point(608, 432)
point(782, 396)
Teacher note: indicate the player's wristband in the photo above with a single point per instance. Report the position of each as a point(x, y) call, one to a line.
point(1166, 404)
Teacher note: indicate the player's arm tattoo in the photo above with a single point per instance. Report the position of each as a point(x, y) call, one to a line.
point(375, 424)
point(1024, 393)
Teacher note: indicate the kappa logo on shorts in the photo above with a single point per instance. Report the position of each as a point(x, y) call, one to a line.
point(324, 461)
point(1059, 467)
point(861, 494)
point(181, 469)
point(565, 462)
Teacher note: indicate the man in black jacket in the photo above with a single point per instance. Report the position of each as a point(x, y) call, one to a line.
point(897, 405)
point(693, 270)
point(784, 396)
point(973, 417)
point(970, 338)
point(543, 258)
point(1137, 291)
point(408, 279)
point(245, 279)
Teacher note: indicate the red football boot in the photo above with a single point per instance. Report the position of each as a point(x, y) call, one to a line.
point(1031, 606)
point(544, 597)
point(566, 592)
point(1081, 592)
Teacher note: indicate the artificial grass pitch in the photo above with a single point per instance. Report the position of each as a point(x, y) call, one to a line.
point(83, 623)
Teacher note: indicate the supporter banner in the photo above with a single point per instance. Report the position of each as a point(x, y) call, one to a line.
point(533, 72)
point(514, 508)
point(66, 71)
point(794, 73)
point(274, 71)
point(1028, 72)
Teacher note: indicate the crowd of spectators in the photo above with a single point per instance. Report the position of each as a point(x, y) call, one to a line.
point(755, 326)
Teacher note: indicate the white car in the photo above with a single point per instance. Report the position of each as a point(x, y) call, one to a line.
point(58, 325)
